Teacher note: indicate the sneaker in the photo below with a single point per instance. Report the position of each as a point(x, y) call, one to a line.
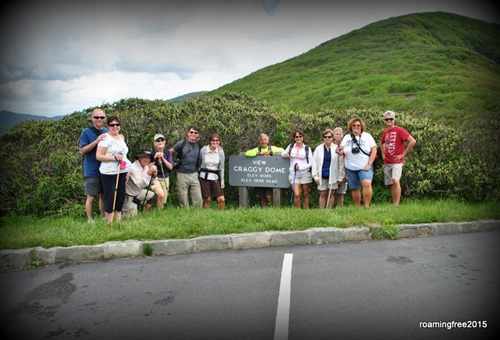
point(91, 221)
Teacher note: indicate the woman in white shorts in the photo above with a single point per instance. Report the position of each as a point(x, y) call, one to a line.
point(325, 170)
point(300, 168)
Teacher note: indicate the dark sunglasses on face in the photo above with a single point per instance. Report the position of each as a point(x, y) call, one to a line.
point(388, 119)
point(356, 125)
point(114, 124)
point(99, 117)
point(299, 136)
point(215, 140)
point(194, 132)
point(327, 136)
point(160, 140)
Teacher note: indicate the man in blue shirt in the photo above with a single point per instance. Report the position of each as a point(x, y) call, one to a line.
point(89, 139)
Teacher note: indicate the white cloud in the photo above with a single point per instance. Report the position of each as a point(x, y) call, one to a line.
point(59, 57)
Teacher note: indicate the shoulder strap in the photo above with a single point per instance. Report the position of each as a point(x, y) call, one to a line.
point(306, 147)
point(359, 146)
point(270, 149)
point(179, 154)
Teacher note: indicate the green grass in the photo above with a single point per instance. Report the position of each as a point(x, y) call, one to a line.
point(175, 223)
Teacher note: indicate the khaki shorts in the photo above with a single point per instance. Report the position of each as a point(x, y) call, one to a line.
point(323, 185)
point(130, 208)
point(303, 177)
point(161, 184)
point(392, 171)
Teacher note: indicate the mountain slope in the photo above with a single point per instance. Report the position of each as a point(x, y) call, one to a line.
point(8, 119)
point(443, 64)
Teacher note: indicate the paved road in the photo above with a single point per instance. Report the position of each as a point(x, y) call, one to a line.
point(370, 290)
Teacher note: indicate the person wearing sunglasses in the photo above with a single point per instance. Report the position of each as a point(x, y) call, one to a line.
point(112, 153)
point(188, 154)
point(300, 168)
point(360, 151)
point(212, 172)
point(395, 144)
point(326, 171)
point(89, 139)
point(164, 162)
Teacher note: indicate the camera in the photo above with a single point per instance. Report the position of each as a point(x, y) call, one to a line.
point(355, 149)
point(177, 163)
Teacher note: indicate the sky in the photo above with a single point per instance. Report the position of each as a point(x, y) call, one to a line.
point(58, 57)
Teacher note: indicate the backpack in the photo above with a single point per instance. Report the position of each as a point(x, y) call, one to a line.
point(179, 155)
point(269, 148)
point(306, 147)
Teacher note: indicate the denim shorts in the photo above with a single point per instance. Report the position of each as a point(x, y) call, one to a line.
point(356, 177)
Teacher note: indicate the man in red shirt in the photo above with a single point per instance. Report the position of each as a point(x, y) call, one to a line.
point(396, 142)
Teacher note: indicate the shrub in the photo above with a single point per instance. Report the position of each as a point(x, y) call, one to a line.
point(42, 172)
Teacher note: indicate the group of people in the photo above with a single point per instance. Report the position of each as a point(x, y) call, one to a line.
point(341, 161)
point(122, 186)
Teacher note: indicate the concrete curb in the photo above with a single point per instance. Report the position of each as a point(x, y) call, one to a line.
point(28, 258)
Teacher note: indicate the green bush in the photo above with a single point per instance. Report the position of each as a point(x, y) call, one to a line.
point(42, 172)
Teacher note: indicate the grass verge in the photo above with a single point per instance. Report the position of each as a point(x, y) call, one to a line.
point(174, 223)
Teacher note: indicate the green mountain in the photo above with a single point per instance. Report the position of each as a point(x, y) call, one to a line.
point(8, 119)
point(181, 99)
point(444, 65)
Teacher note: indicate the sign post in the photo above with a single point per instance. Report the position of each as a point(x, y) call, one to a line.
point(260, 171)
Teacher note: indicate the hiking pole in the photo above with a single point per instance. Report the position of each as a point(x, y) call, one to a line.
point(163, 174)
point(293, 187)
point(147, 192)
point(116, 192)
point(329, 194)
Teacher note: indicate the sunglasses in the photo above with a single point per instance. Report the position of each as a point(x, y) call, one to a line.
point(214, 140)
point(99, 117)
point(327, 137)
point(299, 136)
point(160, 140)
point(356, 125)
point(388, 119)
point(114, 124)
point(194, 132)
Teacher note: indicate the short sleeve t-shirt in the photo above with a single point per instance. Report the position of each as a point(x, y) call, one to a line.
point(90, 163)
point(394, 143)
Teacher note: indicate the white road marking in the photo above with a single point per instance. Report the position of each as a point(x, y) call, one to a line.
point(283, 311)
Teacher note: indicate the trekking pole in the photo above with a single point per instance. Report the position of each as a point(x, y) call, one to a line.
point(116, 192)
point(329, 194)
point(163, 174)
point(293, 187)
point(147, 192)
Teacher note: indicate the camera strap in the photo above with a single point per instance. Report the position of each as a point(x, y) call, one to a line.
point(359, 146)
